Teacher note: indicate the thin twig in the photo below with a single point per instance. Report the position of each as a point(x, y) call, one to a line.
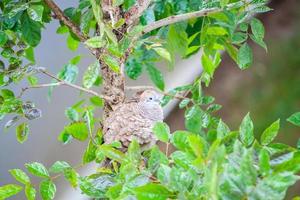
point(182, 17)
point(59, 14)
point(39, 86)
point(62, 82)
point(136, 11)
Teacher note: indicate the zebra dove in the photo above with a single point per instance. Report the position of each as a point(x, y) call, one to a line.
point(134, 120)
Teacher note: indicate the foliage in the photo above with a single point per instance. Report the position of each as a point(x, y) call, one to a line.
point(209, 162)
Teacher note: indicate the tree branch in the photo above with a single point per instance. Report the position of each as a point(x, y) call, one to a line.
point(60, 15)
point(136, 11)
point(182, 17)
point(62, 82)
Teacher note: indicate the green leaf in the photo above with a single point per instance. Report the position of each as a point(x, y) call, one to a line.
point(222, 129)
point(37, 169)
point(3, 38)
point(62, 29)
point(20, 175)
point(259, 41)
point(9, 190)
point(72, 114)
point(156, 77)
point(91, 75)
point(90, 153)
point(180, 139)
point(29, 54)
point(270, 133)
point(193, 119)
point(152, 191)
point(72, 43)
point(156, 159)
point(264, 162)
point(111, 153)
point(72, 176)
point(244, 56)
point(215, 30)
point(47, 189)
point(257, 28)
point(197, 145)
point(134, 153)
point(59, 167)
point(162, 131)
point(246, 130)
point(22, 132)
point(31, 31)
point(117, 2)
point(184, 103)
point(68, 73)
point(95, 42)
point(78, 130)
point(163, 53)
point(112, 63)
point(75, 60)
point(30, 192)
point(128, 3)
point(207, 64)
point(35, 12)
point(97, 101)
point(295, 119)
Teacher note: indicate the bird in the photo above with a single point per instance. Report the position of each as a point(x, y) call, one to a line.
point(134, 119)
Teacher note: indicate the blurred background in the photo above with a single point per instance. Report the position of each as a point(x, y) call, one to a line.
point(270, 89)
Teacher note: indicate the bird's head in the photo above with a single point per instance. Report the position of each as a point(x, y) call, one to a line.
point(150, 96)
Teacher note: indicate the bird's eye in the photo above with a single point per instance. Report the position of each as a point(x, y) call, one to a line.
point(150, 98)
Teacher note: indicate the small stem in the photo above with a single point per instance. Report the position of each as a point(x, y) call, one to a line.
point(183, 17)
point(39, 86)
point(62, 82)
point(167, 148)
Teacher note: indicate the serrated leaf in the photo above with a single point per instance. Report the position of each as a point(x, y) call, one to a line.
point(78, 130)
point(97, 101)
point(72, 43)
point(31, 31)
point(270, 133)
point(184, 103)
point(72, 114)
point(75, 60)
point(193, 119)
point(295, 119)
point(47, 189)
point(30, 192)
point(162, 131)
point(264, 162)
point(95, 42)
point(35, 12)
point(112, 63)
point(156, 77)
point(257, 28)
point(37, 169)
point(215, 30)
point(22, 132)
point(222, 129)
point(163, 53)
point(111, 153)
point(72, 176)
point(152, 191)
point(59, 167)
point(91, 75)
point(20, 176)
point(9, 190)
point(244, 56)
point(246, 131)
